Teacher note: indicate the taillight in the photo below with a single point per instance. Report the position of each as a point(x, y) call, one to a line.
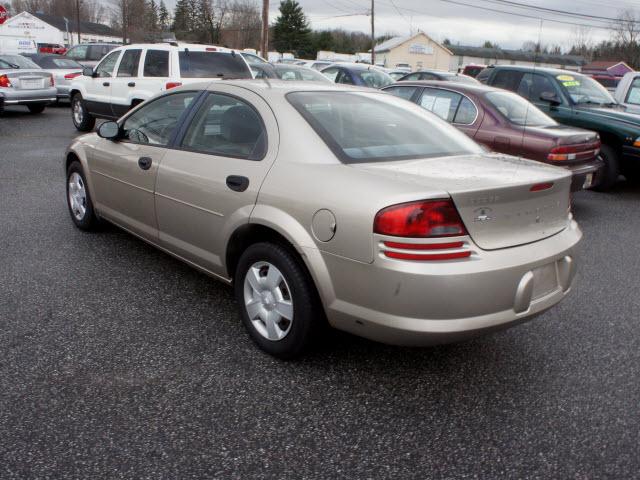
point(426, 218)
point(71, 76)
point(5, 82)
point(211, 49)
point(571, 152)
point(538, 187)
point(170, 85)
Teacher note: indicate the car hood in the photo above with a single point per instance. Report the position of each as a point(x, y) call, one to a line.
point(617, 112)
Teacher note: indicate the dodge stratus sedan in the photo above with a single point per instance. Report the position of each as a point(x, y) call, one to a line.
point(328, 204)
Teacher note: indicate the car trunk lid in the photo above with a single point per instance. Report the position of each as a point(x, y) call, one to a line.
point(29, 79)
point(503, 201)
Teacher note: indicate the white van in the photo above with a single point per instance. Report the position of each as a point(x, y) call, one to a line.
point(12, 45)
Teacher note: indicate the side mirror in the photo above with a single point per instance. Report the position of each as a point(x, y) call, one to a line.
point(550, 97)
point(87, 71)
point(109, 130)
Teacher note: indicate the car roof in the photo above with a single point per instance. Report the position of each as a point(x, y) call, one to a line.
point(178, 46)
point(456, 86)
point(277, 88)
point(524, 68)
point(354, 66)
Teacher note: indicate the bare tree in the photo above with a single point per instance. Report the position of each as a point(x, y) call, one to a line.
point(627, 33)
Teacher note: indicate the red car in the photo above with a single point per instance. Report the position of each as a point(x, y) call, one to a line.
point(51, 48)
point(507, 123)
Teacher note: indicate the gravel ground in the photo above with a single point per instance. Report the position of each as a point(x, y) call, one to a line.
point(118, 361)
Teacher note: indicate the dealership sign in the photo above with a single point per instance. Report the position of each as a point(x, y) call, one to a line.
point(3, 15)
point(421, 49)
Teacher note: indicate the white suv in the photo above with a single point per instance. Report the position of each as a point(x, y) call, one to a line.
point(129, 75)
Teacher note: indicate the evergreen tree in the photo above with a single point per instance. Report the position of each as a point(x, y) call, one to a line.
point(182, 18)
point(151, 17)
point(163, 16)
point(291, 32)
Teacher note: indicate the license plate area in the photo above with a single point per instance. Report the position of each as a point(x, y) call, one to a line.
point(588, 181)
point(31, 84)
point(545, 281)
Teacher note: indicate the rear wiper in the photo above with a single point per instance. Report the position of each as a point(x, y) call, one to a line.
point(13, 65)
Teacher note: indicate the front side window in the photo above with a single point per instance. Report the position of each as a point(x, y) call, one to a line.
point(507, 79)
point(331, 73)
point(78, 53)
point(345, 78)
point(441, 102)
point(374, 127)
point(106, 66)
point(533, 85)
point(129, 64)
point(156, 63)
point(155, 122)
point(228, 127)
point(402, 92)
point(517, 110)
point(634, 92)
point(212, 65)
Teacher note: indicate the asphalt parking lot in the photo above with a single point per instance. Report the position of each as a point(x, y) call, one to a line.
point(117, 361)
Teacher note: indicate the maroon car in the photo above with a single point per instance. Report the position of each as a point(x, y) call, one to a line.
point(507, 123)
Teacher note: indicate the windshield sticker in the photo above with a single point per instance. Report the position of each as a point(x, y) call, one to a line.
point(575, 83)
point(565, 78)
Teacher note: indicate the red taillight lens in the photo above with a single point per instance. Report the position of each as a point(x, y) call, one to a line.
point(573, 152)
point(538, 187)
point(71, 76)
point(4, 82)
point(170, 85)
point(427, 218)
point(211, 49)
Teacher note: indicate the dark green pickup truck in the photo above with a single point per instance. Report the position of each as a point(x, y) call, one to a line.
point(580, 101)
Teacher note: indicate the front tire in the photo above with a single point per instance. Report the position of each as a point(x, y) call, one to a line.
point(36, 108)
point(82, 119)
point(611, 170)
point(278, 302)
point(79, 200)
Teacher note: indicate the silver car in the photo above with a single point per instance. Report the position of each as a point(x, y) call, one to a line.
point(63, 70)
point(329, 204)
point(22, 82)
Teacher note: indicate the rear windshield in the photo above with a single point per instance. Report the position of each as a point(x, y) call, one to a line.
point(301, 73)
point(18, 61)
point(212, 65)
point(374, 78)
point(59, 63)
point(375, 127)
point(518, 110)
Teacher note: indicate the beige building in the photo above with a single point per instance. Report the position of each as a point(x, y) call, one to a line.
point(419, 51)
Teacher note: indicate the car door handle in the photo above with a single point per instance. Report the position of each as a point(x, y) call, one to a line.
point(131, 84)
point(105, 84)
point(145, 163)
point(237, 183)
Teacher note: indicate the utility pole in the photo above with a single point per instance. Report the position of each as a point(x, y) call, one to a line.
point(373, 37)
point(78, 19)
point(264, 39)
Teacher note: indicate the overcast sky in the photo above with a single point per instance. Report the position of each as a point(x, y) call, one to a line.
point(464, 24)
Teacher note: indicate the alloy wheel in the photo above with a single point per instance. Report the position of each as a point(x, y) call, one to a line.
point(77, 196)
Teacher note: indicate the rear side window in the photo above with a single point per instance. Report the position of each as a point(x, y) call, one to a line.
point(228, 127)
point(155, 122)
point(441, 102)
point(212, 65)
point(129, 64)
point(466, 113)
point(156, 63)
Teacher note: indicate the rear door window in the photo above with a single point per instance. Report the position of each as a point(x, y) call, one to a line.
point(507, 79)
point(228, 127)
point(156, 63)
point(443, 103)
point(129, 64)
point(212, 65)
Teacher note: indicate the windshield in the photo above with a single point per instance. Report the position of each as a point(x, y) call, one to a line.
point(212, 65)
point(584, 90)
point(374, 78)
point(302, 73)
point(19, 61)
point(518, 110)
point(376, 127)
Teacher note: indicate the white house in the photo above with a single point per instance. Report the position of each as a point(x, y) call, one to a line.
point(59, 30)
point(419, 51)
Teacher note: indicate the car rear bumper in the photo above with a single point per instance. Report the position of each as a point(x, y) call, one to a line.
point(63, 91)
point(27, 97)
point(425, 303)
point(586, 175)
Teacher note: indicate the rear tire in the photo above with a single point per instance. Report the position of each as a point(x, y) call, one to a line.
point(611, 170)
point(82, 119)
point(36, 108)
point(270, 286)
point(79, 199)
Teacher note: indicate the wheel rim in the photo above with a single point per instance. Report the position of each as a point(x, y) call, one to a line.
point(268, 301)
point(78, 113)
point(77, 196)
